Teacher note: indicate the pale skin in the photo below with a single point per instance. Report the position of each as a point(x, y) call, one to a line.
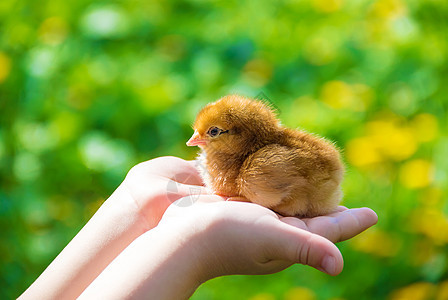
point(140, 245)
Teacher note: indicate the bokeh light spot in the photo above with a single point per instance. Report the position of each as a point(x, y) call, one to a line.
point(425, 127)
point(389, 9)
point(327, 6)
point(65, 126)
point(402, 99)
point(263, 296)
point(101, 153)
point(301, 293)
point(26, 166)
point(35, 137)
point(337, 94)
point(42, 61)
point(416, 173)
point(320, 50)
point(105, 22)
point(431, 222)
point(362, 151)
point(415, 291)
point(53, 31)
point(377, 242)
point(5, 66)
point(394, 141)
point(258, 72)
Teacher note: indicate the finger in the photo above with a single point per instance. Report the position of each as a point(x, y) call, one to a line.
point(184, 172)
point(175, 191)
point(211, 198)
point(300, 246)
point(238, 199)
point(190, 173)
point(334, 214)
point(341, 208)
point(344, 225)
point(170, 167)
point(293, 221)
point(190, 200)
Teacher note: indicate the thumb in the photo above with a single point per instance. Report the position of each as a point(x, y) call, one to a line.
point(300, 246)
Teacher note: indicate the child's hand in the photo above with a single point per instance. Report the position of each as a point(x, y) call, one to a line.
point(135, 207)
point(213, 237)
point(246, 238)
point(157, 183)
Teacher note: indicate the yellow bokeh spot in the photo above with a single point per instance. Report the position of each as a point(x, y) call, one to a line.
point(431, 197)
point(258, 72)
point(393, 140)
point(320, 51)
point(416, 173)
point(327, 6)
point(432, 223)
point(415, 291)
point(337, 94)
point(389, 9)
point(65, 126)
point(377, 242)
point(340, 95)
point(300, 293)
point(425, 127)
point(263, 296)
point(442, 292)
point(362, 152)
point(53, 31)
point(5, 66)
point(387, 138)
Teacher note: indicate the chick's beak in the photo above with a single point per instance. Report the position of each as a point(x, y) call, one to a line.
point(196, 140)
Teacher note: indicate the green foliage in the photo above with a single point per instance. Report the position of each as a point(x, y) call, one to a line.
point(90, 88)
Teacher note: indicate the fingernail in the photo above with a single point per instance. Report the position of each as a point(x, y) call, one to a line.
point(329, 264)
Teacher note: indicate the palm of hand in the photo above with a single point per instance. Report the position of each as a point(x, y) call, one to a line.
point(245, 238)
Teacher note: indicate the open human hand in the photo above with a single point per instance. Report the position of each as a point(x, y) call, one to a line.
point(213, 237)
point(246, 238)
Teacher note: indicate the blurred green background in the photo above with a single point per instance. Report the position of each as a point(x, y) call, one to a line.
point(90, 88)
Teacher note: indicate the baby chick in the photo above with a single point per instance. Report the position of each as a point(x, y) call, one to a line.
point(247, 154)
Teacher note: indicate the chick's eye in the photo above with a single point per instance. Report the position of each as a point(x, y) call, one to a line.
point(214, 131)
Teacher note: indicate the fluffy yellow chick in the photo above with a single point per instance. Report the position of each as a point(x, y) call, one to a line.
point(247, 154)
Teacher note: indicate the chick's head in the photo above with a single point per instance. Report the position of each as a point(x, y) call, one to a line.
point(234, 124)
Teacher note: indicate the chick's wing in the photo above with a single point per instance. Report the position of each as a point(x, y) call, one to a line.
point(269, 175)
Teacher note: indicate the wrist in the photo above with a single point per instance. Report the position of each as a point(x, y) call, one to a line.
point(190, 250)
point(186, 261)
point(163, 255)
point(126, 208)
point(199, 238)
point(114, 226)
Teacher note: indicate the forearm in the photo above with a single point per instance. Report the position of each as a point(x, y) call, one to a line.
point(158, 265)
point(115, 225)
